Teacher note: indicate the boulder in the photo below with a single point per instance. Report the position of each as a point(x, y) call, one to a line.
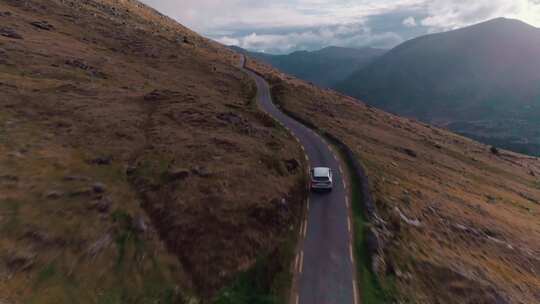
point(201, 171)
point(76, 63)
point(53, 194)
point(101, 160)
point(177, 174)
point(10, 33)
point(43, 25)
point(9, 178)
point(81, 192)
point(101, 205)
point(99, 187)
point(139, 224)
point(409, 152)
point(231, 118)
point(157, 95)
point(20, 260)
point(73, 178)
point(292, 165)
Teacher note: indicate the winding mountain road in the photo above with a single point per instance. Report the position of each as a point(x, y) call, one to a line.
point(324, 265)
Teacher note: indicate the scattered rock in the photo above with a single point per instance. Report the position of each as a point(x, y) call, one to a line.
point(81, 192)
point(44, 25)
point(157, 95)
point(494, 150)
point(201, 171)
point(41, 238)
point(101, 160)
point(9, 178)
point(20, 260)
point(72, 178)
point(409, 152)
point(491, 199)
point(292, 165)
point(99, 187)
point(177, 174)
point(15, 154)
point(372, 242)
point(53, 194)
point(229, 117)
point(415, 222)
point(5, 14)
point(78, 64)
point(100, 245)
point(102, 205)
point(139, 224)
point(10, 33)
point(130, 170)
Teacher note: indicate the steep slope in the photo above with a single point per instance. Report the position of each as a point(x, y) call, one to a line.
point(457, 223)
point(129, 151)
point(480, 80)
point(325, 67)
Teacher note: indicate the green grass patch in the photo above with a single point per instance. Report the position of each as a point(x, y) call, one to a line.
point(126, 237)
point(153, 169)
point(371, 289)
point(253, 286)
point(45, 274)
point(267, 282)
point(10, 210)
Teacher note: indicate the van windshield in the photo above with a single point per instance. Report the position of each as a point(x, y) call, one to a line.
point(320, 178)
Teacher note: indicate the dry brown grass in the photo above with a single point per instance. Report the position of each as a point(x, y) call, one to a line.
point(76, 94)
point(479, 234)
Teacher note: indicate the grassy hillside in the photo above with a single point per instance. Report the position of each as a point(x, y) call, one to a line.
point(129, 147)
point(458, 222)
point(480, 80)
point(325, 67)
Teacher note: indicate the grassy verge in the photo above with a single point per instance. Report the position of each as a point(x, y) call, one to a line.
point(371, 290)
point(269, 280)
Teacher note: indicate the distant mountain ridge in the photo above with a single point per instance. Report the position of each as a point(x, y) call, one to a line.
point(482, 81)
point(325, 67)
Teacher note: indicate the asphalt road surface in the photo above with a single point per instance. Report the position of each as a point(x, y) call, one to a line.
point(324, 265)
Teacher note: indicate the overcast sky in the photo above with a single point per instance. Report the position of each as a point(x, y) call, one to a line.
point(283, 26)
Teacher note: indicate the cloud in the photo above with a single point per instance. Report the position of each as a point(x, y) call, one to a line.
point(288, 25)
point(447, 15)
point(351, 35)
point(409, 22)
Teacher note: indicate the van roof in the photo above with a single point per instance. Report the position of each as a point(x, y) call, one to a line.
point(321, 171)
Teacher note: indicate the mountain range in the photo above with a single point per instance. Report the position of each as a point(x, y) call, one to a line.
point(326, 67)
point(482, 81)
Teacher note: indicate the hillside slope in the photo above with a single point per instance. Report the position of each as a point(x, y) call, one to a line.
point(129, 147)
point(457, 222)
point(325, 67)
point(480, 80)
